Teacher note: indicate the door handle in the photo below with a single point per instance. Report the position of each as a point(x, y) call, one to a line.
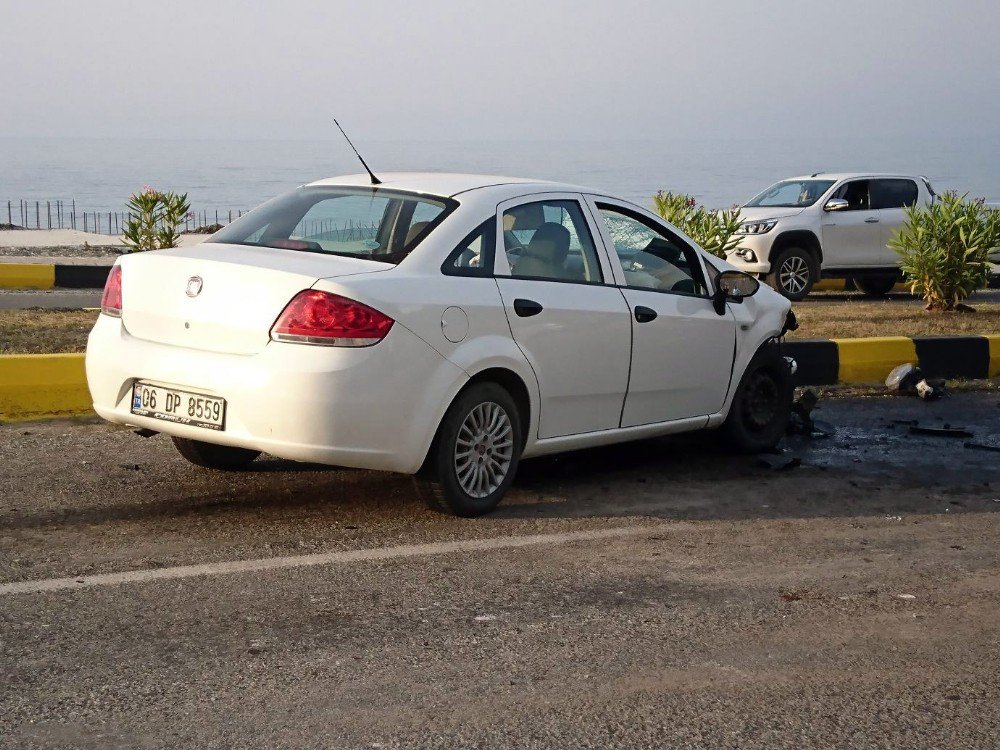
point(871, 220)
point(525, 308)
point(644, 314)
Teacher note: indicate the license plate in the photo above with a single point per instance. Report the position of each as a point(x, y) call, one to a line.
point(181, 407)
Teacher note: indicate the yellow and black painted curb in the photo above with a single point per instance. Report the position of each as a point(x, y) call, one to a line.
point(869, 360)
point(40, 386)
point(49, 275)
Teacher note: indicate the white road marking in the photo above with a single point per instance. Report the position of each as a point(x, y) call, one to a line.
point(326, 558)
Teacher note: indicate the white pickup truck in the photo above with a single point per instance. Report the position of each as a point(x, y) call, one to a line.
point(827, 226)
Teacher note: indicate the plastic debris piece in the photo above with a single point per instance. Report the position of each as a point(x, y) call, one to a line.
point(905, 596)
point(982, 447)
point(778, 463)
point(904, 378)
point(955, 432)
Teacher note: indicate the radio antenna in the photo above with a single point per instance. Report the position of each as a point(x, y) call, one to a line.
point(375, 180)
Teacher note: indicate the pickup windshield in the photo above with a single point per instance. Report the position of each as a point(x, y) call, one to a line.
point(791, 194)
point(372, 223)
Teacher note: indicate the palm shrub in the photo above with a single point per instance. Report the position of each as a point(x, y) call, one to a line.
point(944, 249)
point(715, 231)
point(154, 219)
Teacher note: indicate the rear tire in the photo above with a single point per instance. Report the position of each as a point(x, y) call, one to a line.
point(759, 414)
point(475, 453)
point(875, 286)
point(209, 456)
point(793, 273)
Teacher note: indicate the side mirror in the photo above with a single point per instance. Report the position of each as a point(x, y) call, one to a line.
point(733, 286)
point(836, 204)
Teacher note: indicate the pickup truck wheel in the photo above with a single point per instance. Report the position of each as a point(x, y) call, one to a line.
point(875, 286)
point(759, 414)
point(209, 456)
point(793, 272)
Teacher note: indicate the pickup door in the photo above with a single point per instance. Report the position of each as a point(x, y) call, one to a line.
point(852, 237)
point(890, 196)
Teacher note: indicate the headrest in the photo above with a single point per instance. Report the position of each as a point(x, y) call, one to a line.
point(549, 241)
point(414, 231)
point(526, 217)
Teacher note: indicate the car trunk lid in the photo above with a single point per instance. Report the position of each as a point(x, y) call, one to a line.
point(218, 297)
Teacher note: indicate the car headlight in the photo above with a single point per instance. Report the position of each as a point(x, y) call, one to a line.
point(757, 227)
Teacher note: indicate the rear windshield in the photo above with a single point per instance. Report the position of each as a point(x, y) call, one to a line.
point(372, 223)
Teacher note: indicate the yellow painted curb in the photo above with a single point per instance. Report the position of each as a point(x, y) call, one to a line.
point(994, 355)
point(870, 360)
point(829, 285)
point(27, 276)
point(37, 386)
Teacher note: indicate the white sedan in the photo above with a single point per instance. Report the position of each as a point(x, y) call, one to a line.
point(440, 325)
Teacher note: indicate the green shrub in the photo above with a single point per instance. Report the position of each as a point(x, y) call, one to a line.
point(154, 219)
point(713, 230)
point(944, 249)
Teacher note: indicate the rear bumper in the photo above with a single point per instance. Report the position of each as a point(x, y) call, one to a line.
point(371, 407)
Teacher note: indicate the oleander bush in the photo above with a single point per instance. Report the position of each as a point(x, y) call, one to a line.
point(944, 249)
point(715, 231)
point(154, 219)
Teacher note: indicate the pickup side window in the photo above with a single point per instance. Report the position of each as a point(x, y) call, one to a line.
point(857, 193)
point(896, 193)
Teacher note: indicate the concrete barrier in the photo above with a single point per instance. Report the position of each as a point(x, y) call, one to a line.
point(39, 386)
point(49, 275)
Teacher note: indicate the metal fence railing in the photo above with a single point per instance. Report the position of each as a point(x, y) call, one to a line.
point(61, 214)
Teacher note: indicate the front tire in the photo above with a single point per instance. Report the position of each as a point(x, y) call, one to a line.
point(475, 454)
point(209, 456)
point(793, 273)
point(759, 414)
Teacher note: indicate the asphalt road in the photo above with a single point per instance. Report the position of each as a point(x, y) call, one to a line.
point(657, 594)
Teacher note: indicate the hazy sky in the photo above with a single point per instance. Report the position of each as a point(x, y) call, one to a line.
point(437, 69)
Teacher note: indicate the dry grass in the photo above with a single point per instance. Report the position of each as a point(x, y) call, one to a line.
point(44, 331)
point(822, 319)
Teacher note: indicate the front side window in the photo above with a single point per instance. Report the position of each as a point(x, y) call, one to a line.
point(791, 194)
point(369, 223)
point(550, 240)
point(893, 193)
point(857, 193)
point(650, 258)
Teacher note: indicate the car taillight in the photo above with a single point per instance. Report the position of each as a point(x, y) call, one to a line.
point(317, 317)
point(111, 300)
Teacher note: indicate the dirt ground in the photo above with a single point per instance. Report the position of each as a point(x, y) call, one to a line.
point(851, 601)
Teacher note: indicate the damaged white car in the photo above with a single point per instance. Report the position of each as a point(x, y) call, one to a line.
point(440, 325)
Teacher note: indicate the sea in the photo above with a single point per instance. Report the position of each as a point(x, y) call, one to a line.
point(230, 175)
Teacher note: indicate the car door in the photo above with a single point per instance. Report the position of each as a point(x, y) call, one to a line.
point(564, 311)
point(682, 349)
point(890, 196)
point(852, 237)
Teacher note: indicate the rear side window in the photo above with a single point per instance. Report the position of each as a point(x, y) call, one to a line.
point(474, 254)
point(549, 240)
point(371, 223)
point(893, 193)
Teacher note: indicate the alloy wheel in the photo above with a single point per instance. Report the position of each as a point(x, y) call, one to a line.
point(794, 274)
point(484, 449)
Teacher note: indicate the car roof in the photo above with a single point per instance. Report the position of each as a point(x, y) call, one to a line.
point(837, 176)
point(449, 184)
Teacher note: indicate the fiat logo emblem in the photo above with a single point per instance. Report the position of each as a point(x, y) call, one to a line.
point(194, 286)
